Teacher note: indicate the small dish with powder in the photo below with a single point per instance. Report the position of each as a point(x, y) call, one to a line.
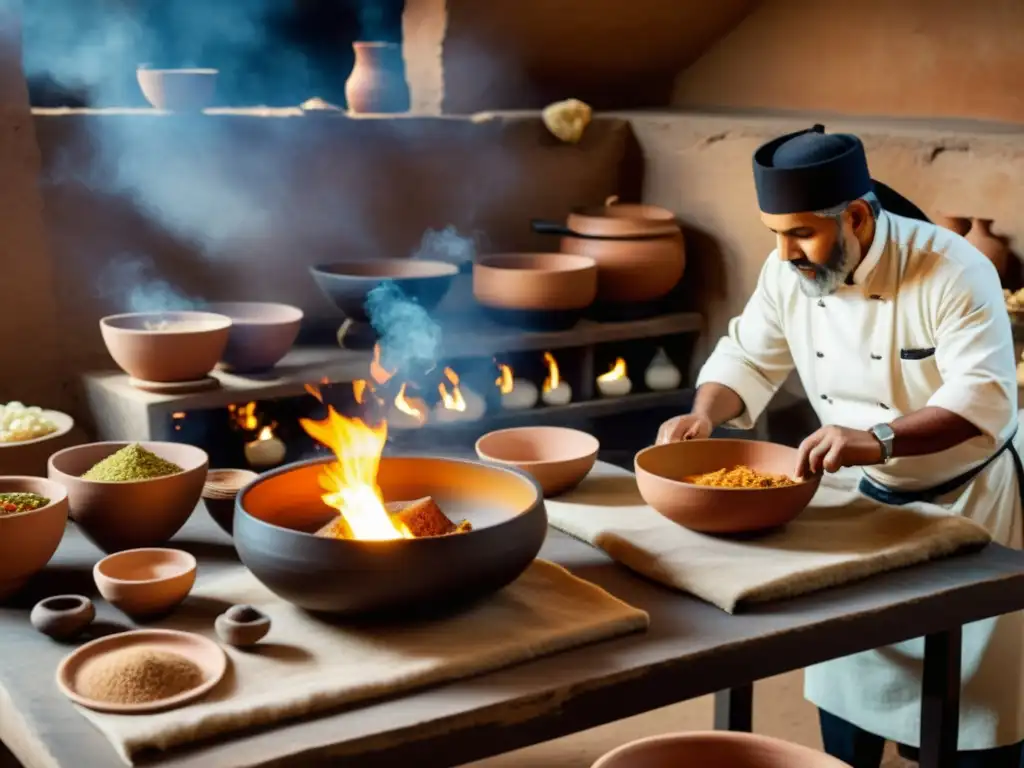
point(146, 670)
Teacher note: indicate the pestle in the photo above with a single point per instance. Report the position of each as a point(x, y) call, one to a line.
point(63, 616)
point(242, 625)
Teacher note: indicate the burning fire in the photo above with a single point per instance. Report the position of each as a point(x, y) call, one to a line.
point(618, 371)
point(350, 482)
point(245, 416)
point(411, 406)
point(553, 378)
point(504, 382)
point(453, 401)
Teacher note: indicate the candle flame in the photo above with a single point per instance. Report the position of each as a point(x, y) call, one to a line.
point(617, 371)
point(452, 401)
point(244, 416)
point(553, 378)
point(411, 406)
point(504, 382)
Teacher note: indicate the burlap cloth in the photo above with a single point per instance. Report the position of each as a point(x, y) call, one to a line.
point(305, 666)
point(841, 537)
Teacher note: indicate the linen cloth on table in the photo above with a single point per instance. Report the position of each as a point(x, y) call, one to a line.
point(841, 537)
point(306, 666)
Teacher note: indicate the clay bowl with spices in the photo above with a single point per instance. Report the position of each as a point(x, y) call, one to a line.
point(261, 334)
point(666, 476)
point(557, 457)
point(166, 347)
point(715, 749)
point(280, 514)
point(347, 283)
point(130, 495)
point(145, 583)
point(33, 513)
point(538, 291)
point(639, 249)
point(219, 493)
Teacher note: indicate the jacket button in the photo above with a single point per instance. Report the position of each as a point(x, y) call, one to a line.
point(819, 354)
point(824, 397)
point(876, 357)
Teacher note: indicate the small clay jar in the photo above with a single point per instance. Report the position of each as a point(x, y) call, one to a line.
point(63, 617)
point(377, 83)
point(242, 625)
point(994, 247)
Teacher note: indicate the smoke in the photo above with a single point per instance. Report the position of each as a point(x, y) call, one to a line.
point(411, 338)
point(447, 245)
point(130, 284)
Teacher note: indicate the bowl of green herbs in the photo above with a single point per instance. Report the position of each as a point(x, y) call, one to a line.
point(130, 495)
point(33, 513)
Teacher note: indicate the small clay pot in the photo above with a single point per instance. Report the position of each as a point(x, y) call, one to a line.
point(377, 83)
point(219, 493)
point(632, 271)
point(242, 625)
point(544, 290)
point(993, 246)
point(959, 224)
point(63, 617)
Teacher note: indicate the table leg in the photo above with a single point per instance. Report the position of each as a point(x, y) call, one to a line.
point(734, 709)
point(940, 700)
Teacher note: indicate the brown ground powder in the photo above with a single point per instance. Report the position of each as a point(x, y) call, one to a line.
point(138, 676)
point(740, 477)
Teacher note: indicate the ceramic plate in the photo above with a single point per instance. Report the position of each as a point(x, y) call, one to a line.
point(203, 652)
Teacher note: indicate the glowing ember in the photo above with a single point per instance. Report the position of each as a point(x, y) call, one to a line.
point(504, 382)
point(411, 406)
point(553, 378)
point(245, 416)
point(618, 371)
point(350, 482)
point(177, 417)
point(452, 401)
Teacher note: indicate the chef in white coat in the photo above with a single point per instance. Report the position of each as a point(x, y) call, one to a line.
point(899, 333)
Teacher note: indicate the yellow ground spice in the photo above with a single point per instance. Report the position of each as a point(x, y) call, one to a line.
point(138, 676)
point(740, 477)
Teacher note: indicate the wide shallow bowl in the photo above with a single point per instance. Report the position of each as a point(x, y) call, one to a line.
point(134, 514)
point(660, 470)
point(220, 491)
point(29, 539)
point(29, 457)
point(715, 749)
point(557, 457)
point(145, 582)
point(277, 513)
point(535, 290)
point(178, 90)
point(201, 651)
point(347, 283)
point(261, 333)
point(166, 347)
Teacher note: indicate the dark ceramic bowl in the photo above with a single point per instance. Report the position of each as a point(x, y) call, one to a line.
point(277, 513)
point(347, 283)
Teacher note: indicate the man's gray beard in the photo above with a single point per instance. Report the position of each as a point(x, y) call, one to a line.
point(828, 277)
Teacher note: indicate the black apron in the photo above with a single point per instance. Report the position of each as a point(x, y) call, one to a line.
point(884, 495)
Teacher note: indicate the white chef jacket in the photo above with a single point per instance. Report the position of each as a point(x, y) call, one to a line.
point(923, 324)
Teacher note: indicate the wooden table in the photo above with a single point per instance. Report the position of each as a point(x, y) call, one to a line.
point(691, 649)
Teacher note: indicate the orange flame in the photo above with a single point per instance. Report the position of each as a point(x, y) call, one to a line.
point(617, 371)
point(453, 401)
point(504, 382)
point(267, 433)
point(244, 416)
point(359, 390)
point(314, 389)
point(350, 482)
point(377, 371)
point(411, 406)
point(553, 378)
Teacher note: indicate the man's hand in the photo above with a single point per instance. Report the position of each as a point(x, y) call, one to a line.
point(831, 448)
point(689, 426)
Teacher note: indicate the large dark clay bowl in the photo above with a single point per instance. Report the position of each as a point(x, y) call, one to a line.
point(277, 513)
point(347, 283)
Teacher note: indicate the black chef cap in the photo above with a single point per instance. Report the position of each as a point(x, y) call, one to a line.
point(811, 170)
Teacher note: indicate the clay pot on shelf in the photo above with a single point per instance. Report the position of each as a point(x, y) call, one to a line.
point(959, 224)
point(639, 249)
point(994, 247)
point(377, 83)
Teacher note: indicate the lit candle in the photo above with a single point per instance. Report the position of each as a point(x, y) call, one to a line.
point(615, 383)
point(266, 450)
point(516, 394)
point(458, 403)
point(661, 374)
point(407, 412)
point(555, 391)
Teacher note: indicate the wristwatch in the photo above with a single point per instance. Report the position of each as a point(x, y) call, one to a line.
point(884, 434)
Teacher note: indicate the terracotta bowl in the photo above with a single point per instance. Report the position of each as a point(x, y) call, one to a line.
point(660, 470)
point(129, 515)
point(29, 456)
point(220, 491)
point(145, 583)
point(542, 290)
point(347, 283)
point(187, 350)
point(178, 90)
point(557, 457)
point(29, 539)
point(278, 512)
point(632, 271)
point(715, 749)
point(261, 333)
